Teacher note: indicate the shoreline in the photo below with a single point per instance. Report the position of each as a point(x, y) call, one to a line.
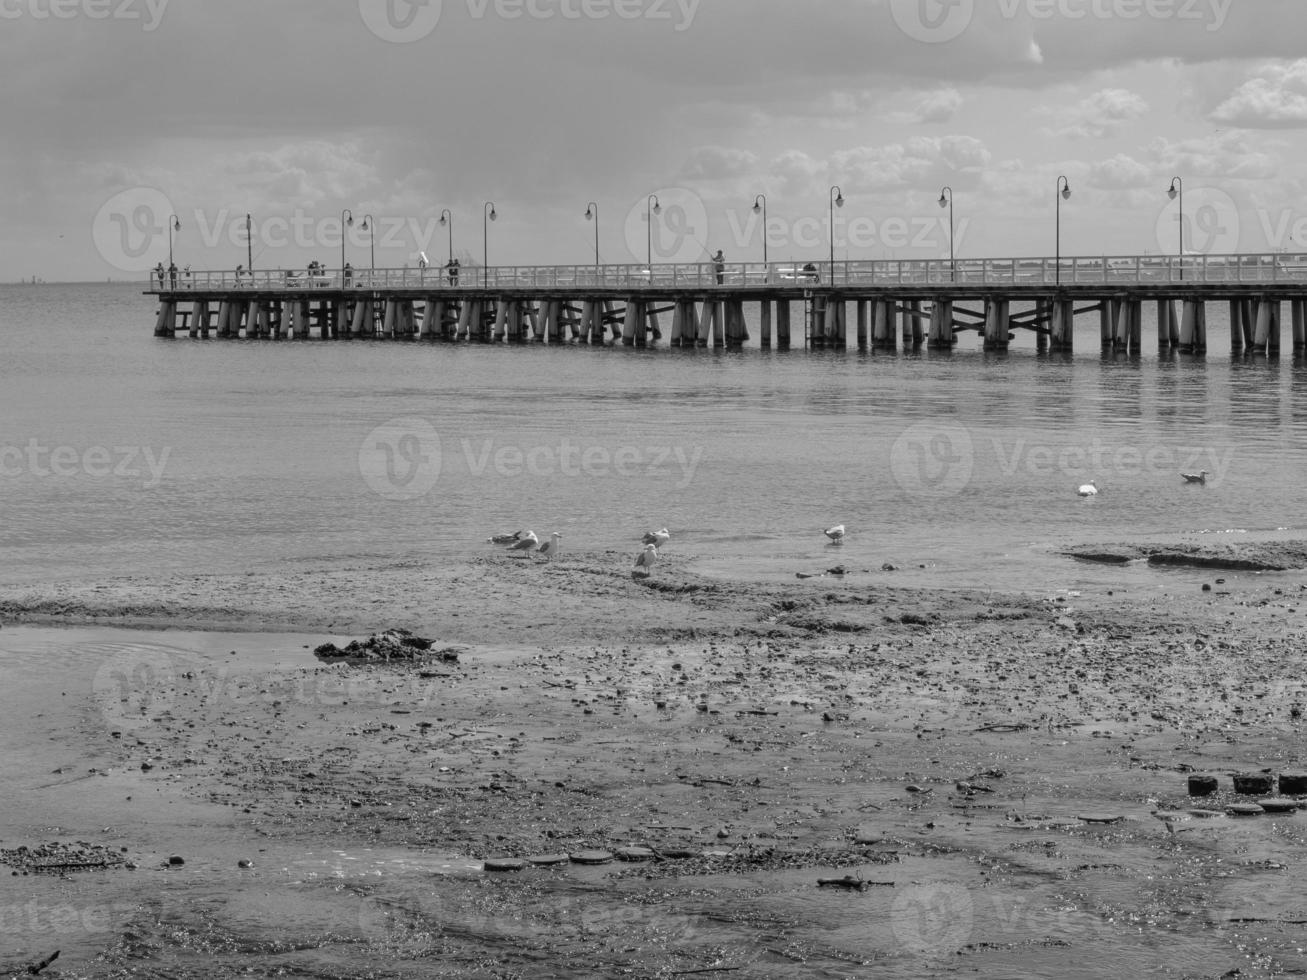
point(981, 771)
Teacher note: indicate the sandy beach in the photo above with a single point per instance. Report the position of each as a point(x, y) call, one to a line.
point(590, 775)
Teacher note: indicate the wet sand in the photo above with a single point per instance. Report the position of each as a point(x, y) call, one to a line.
point(991, 785)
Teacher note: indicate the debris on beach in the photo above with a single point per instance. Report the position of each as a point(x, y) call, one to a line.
point(391, 646)
point(61, 858)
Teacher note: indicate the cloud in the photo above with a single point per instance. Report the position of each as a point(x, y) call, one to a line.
point(1101, 115)
point(1276, 97)
point(939, 106)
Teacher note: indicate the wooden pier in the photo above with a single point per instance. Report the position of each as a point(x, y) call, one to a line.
point(918, 303)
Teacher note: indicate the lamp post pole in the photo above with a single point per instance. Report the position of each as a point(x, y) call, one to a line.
point(249, 245)
point(447, 218)
point(488, 215)
point(174, 224)
point(592, 214)
point(1063, 193)
point(760, 204)
point(836, 200)
point(651, 207)
point(946, 198)
point(370, 226)
point(346, 221)
point(1177, 188)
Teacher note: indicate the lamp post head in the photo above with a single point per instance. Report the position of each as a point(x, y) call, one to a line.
point(657, 208)
point(839, 200)
point(943, 200)
point(756, 207)
point(589, 212)
point(176, 223)
point(1172, 192)
point(493, 213)
point(443, 215)
point(1066, 192)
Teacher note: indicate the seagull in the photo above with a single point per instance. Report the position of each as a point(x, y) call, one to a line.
point(1089, 489)
point(1199, 477)
point(645, 560)
point(657, 538)
point(836, 533)
point(527, 542)
point(513, 538)
point(551, 548)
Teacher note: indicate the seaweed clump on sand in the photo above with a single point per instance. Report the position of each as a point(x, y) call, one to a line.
point(389, 646)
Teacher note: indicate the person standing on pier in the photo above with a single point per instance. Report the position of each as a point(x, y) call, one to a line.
point(452, 266)
point(172, 275)
point(719, 266)
point(159, 272)
point(347, 275)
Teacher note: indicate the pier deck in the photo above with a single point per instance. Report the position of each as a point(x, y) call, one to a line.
point(932, 301)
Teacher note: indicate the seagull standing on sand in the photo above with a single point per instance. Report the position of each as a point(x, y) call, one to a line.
point(551, 548)
point(836, 533)
point(645, 560)
point(657, 538)
point(527, 543)
point(1199, 477)
point(505, 538)
point(1089, 489)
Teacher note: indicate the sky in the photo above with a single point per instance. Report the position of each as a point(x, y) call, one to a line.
point(121, 114)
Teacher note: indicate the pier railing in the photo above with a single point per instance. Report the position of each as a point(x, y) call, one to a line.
point(1079, 270)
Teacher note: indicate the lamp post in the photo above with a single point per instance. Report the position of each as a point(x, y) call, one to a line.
point(249, 245)
point(1177, 188)
point(760, 204)
point(447, 218)
point(488, 215)
point(946, 198)
point(346, 221)
point(651, 207)
point(1063, 194)
point(592, 214)
point(370, 226)
point(836, 200)
point(174, 224)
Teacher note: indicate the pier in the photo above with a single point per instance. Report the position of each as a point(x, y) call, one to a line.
point(916, 303)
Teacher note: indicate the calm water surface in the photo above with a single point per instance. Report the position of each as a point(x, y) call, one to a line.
point(125, 453)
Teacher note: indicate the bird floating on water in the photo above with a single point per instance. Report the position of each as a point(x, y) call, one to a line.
point(646, 559)
point(836, 533)
point(551, 548)
point(657, 538)
point(1089, 489)
point(505, 538)
point(528, 542)
point(1199, 477)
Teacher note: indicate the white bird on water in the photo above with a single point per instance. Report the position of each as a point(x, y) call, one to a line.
point(657, 538)
point(1199, 477)
point(552, 547)
point(645, 560)
point(505, 538)
point(1089, 489)
point(836, 533)
point(528, 542)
